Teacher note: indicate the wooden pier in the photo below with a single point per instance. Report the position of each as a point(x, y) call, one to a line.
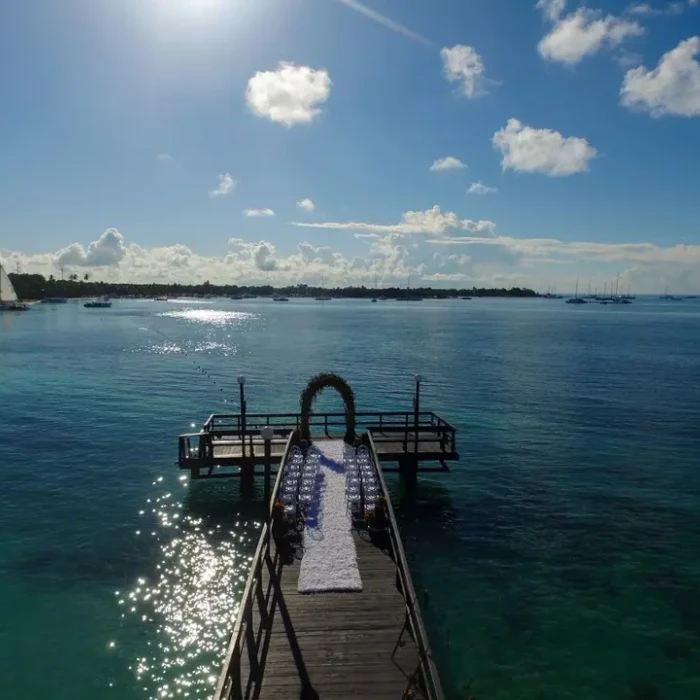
point(330, 646)
point(369, 642)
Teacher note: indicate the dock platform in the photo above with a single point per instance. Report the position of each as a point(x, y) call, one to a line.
point(229, 445)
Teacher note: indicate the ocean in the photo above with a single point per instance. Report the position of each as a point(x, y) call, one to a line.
point(558, 560)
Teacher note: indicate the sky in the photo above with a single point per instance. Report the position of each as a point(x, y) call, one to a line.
point(459, 142)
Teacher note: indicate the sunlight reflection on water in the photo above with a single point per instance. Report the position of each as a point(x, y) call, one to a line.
point(189, 607)
point(214, 317)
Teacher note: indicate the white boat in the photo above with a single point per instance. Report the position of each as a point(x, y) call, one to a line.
point(8, 296)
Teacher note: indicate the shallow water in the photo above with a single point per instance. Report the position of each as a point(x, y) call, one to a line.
point(560, 559)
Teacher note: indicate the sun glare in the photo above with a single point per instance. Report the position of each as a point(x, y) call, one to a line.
point(191, 7)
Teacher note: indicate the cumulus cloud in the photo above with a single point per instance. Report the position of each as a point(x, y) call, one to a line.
point(261, 254)
point(318, 254)
point(455, 256)
point(289, 95)
point(552, 9)
point(647, 9)
point(306, 204)
point(259, 212)
point(108, 249)
point(225, 185)
point(165, 158)
point(433, 221)
point(447, 163)
point(673, 87)
point(481, 189)
point(464, 66)
point(546, 151)
point(584, 33)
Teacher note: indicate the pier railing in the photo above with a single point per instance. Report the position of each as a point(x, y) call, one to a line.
point(429, 679)
point(243, 641)
point(378, 420)
point(409, 429)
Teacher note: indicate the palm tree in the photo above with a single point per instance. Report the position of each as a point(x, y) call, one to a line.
point(73, 277)
point(86, 277)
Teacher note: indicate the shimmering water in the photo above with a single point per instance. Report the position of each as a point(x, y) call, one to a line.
point(559, 560)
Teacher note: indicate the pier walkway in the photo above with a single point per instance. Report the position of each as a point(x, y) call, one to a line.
point(368, 644)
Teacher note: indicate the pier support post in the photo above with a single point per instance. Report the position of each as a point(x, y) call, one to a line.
point(241, 388)
point(416, 414)
point(267, 433)
point(408, 465)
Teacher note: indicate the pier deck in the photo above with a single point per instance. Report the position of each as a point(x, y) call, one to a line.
point(340, 644)
point(330, 646)
point(228, 444)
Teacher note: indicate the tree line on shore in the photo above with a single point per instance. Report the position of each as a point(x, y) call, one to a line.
point(37, 287)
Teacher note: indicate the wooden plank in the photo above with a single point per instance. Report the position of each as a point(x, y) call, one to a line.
point(340, 643)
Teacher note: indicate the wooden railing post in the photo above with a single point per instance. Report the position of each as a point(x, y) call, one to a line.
point(416, 412)
point(241, 388)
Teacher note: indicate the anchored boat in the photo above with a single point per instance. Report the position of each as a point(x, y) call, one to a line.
point(8, 296)
point(98, 304)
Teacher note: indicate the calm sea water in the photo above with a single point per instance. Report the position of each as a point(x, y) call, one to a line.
point(560, 559)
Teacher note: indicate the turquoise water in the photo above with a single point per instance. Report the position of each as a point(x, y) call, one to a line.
point(560, 559)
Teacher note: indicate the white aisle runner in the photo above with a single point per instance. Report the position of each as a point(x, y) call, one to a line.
point(330, 560)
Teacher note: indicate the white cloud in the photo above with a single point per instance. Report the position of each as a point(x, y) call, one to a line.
point(312, 254)
point(385, 21)
point(647, 9)
point(584, 33)
point(306, 204)
point(108, 249)
point(463, 65)
point(433, 221)
point(259, 212)
point(673, 87)
point(552, 9)
point(447, 163)
point(260, 254)
point(445, 258)
point(225, 185)
point(290, 94)
point(480, 188)
point(165, 158)
point(546, 151)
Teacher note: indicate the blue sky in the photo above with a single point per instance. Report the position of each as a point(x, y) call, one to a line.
point(578, 126)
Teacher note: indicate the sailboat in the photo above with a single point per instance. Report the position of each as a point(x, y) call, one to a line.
point(576, 299)
point(669, 297)
point(323, 296)
point(408, 296)
point(8, 296)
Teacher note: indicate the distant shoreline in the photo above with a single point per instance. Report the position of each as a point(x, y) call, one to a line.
point(38, 288)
